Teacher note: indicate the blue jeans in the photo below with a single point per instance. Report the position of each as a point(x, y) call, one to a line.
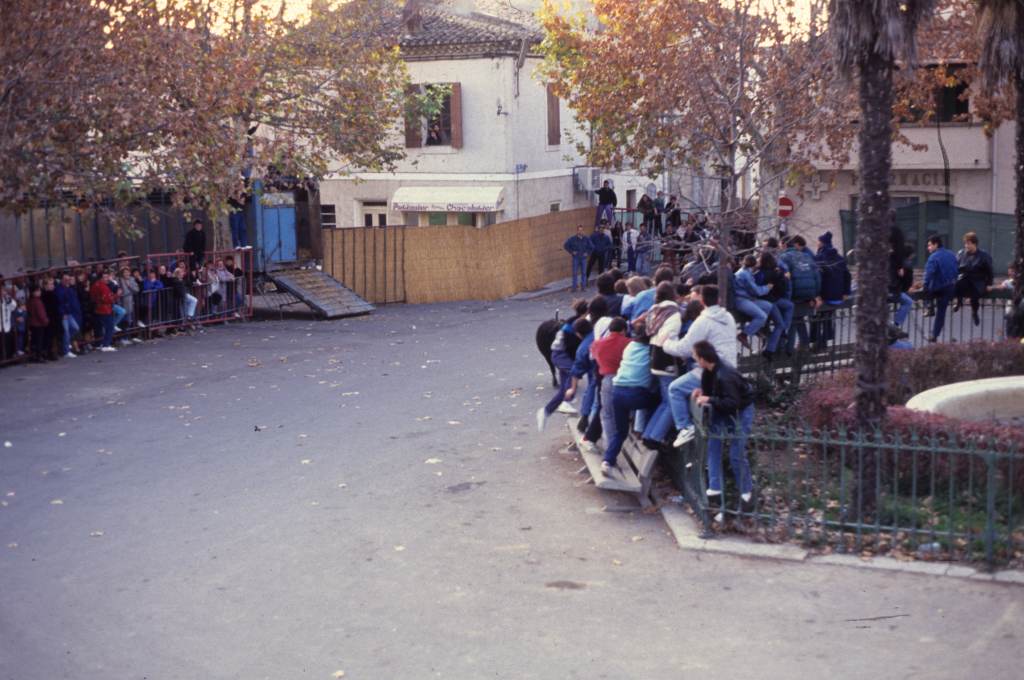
point(943, 296)
point(798, 326)
point(785, 307)
point(71, 329)
point(757, 310)
point(564, 380)
point(903, 311)
point(119, 313)
point(106, 322)
point(590, 395)
point(679, 397)
point(726, 430)
point(607, 412)
point(238, 235)
point(631, 259)
point(625, 400)
point(661, 420)
point(579, 266)
point(606, 211)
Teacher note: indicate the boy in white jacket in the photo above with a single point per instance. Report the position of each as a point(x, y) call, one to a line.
point(717, 326)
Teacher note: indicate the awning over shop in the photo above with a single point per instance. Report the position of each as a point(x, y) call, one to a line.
point(449, 199)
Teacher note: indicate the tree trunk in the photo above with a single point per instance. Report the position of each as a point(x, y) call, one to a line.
point(872, 247)
point(1018, 246)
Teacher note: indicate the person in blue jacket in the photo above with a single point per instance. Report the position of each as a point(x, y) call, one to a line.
point(940, 272)
point(579, 247)
point(70, 314)
point(836, 284)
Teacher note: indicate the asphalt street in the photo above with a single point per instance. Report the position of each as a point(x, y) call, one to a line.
point(300, 499)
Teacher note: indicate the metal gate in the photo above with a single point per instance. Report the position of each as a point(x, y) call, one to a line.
point(368, 260)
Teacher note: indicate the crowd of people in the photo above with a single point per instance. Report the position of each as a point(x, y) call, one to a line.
point(71, 311)
point(644, 346)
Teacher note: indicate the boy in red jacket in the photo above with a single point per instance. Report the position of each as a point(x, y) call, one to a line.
point(607, 353)
point(103, 307)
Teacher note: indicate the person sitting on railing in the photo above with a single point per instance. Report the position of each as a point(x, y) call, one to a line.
point(771, 273)
point(805, 280)
point(899, 268)
point(940, 274)
point(662, 323)
point(715, 325)
point(731, 399)
point(644, 300)
point(975, 275)
point(184, 302)
point(836, 283)
point(750, 303)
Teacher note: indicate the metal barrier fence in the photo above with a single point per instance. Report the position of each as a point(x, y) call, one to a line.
point(153, 299)
point(851, 492)
point(831, 334)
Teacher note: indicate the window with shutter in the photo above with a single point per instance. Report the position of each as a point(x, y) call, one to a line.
point(554, 124)
point(413, 123)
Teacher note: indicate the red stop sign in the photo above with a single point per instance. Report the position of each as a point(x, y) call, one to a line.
point(785, 206)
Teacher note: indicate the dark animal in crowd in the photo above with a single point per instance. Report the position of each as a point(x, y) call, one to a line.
point(546, 333)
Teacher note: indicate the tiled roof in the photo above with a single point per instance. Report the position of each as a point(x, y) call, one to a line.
point(444, 30)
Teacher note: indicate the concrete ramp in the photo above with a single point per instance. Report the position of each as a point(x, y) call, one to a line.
point(321, 292)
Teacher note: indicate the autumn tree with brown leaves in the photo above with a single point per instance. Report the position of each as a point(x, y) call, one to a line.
point(737, 90)
point(110, 99)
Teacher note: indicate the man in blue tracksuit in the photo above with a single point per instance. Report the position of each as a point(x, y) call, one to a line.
point(579, 247)
point(940, 272)
point(602, 246)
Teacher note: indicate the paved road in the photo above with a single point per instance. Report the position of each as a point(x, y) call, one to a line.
point(290, 499)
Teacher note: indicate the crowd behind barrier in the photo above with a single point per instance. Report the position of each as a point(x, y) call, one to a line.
point(641, 349)
point(63, 312)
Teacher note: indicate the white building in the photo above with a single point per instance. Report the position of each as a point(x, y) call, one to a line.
point(499, 149)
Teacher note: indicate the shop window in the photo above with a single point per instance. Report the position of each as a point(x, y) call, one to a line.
point(437, 219)
point(467, 219)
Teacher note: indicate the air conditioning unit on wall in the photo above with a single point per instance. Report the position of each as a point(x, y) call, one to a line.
point(588, 179)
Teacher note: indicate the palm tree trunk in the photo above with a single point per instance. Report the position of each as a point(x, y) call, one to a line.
point(872, 311)
point(1018, 247)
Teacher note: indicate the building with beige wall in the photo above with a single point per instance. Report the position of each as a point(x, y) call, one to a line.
point(981, 177)
point(497, 152)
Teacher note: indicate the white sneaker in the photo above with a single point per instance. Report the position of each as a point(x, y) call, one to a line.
point(607, 468)
point(124, 342)
point(70, 355)
point(685, 435)
point(542, 418)
point(118, 329)
point(140, 324)
point(137, 341)
point(108, 349)
point(566, 407)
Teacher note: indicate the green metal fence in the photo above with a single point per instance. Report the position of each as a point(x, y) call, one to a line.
point(833, 332)
point(860, 492)
point(918, 221)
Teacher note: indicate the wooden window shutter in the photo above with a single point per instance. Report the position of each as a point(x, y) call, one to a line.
point(554, 124)
point(456, 110)
point(413, 134)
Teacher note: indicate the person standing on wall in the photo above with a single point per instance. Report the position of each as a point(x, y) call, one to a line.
point(195, 245)
point(606, 202)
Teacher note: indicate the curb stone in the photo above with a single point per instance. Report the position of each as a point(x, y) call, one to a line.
point(683, 528)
